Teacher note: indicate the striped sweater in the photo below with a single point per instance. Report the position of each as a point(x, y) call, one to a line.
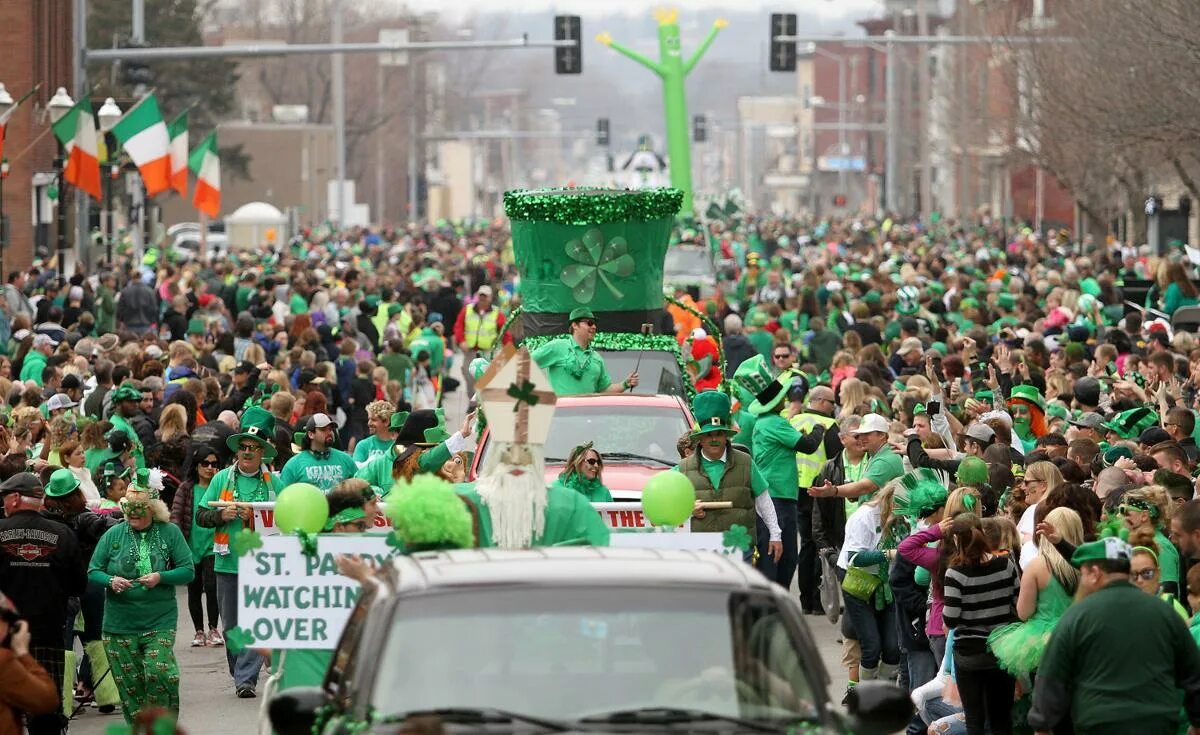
point(977, 599)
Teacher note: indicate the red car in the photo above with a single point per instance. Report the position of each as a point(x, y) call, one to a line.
point(636, 435)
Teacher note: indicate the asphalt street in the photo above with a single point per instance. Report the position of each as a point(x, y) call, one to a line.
point(209, 706)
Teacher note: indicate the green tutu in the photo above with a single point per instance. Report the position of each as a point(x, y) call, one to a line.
point(1018, 647)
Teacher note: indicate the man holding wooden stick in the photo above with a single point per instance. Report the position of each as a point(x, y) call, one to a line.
point(726, 476)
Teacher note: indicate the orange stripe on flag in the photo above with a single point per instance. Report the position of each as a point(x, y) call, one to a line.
point(83, 172)
point(207, 199)
point(156, 175)
point(179, 181)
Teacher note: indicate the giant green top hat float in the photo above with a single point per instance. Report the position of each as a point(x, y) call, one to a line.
point(599, 249)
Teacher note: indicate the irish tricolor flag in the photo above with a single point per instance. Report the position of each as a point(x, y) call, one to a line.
point(207, 166)
point(177, 132)
point(77, 132)
point(143, 135)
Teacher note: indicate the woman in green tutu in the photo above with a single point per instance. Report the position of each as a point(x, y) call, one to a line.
point(1047, 586)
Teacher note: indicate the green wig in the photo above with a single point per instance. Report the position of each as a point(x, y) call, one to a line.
point(920, 494)
point(972, 471)
point(429, 515)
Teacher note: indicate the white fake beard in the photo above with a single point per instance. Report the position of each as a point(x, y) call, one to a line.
point(514, 490)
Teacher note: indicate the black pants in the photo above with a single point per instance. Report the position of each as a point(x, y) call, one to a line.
point(203, 584)
point(808, 571)
point(52, 658)
point(987, 697)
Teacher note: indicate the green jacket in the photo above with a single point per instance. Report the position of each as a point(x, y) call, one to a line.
point(32, 367)
point(141, 609)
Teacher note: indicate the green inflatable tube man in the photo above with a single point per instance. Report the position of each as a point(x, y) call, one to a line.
point(672, 69)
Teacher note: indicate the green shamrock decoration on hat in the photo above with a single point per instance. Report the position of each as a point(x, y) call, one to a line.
point(596, 260)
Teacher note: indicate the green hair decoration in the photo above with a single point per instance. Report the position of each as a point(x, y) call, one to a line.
point(1112, 526)
point(920, 494)
point(429, 515)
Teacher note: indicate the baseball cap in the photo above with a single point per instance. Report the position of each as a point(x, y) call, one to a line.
point(59, 401)
point(318, 421)
point(40, 340)
point(980, 432)
point(909, 345)
point(1153, 435)
point(245, 366)
point(873, 423)
point(71, 380)
point(1089, 421)
point(1087, 391)
point(154, 352)
point(483, 291)
point(24, 483)
point(1105, 549)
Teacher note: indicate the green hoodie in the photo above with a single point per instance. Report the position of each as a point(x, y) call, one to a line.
point(593, 490)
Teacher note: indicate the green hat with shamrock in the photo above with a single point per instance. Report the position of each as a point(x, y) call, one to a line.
point(599, 249)
point(258, 425)
point(1111, 548)
point(712, 409)
point(1131, 423)
point(755, 377)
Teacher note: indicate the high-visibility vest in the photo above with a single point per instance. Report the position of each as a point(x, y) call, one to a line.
point(808, 466)
point(481, 330)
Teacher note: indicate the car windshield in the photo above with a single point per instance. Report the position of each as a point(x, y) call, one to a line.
point(575, 652)
point(658, 372)
point(687, 262)
point(649, 431)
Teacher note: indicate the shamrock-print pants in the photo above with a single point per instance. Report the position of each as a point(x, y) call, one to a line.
point(144, 667)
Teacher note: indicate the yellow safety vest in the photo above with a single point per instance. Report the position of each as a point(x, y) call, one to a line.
point(481, 330)
point(808, 466)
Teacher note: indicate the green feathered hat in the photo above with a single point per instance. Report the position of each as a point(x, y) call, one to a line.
point(920, 494)
point(428, 515)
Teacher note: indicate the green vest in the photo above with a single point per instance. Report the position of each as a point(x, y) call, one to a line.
point(808, 466)
point(734, 487)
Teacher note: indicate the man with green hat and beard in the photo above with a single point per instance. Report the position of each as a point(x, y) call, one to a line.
point(774, 447)
point(572, 366)
point(719, 472)
point(247, 481)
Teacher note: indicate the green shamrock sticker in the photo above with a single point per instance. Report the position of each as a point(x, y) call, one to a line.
point(395, 541)
point(523, 393)
point(238, 639)
point(737, 538)
point(595, 259)
point(245, 541)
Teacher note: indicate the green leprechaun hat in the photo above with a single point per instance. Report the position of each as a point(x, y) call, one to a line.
point(712, 410)
point(754, 376)
point(600, 249)
point(258, 425)
point(1130, 424)
point(1029, 394)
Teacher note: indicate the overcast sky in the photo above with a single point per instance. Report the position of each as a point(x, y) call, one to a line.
point(831, 9)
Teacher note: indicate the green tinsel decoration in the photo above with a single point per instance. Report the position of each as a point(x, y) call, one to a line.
point(591, 206)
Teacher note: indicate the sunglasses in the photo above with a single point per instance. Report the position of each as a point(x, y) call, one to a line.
point(592, 461)
point(782, 355)
point(249, 447)
point(1146, 574)
point(209, 463)
point(588, 322)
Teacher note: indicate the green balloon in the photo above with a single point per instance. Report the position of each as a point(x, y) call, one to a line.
point(301, 507)
point(668, 498)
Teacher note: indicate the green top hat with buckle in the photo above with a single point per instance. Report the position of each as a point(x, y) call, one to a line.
point(1130, 424)
point(712, 410)
point(258, 425)
point(754, 376)
point(62, 482)
point(594, 248)
point(1030, 394)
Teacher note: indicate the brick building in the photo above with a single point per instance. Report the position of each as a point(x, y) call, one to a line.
point(36, 36)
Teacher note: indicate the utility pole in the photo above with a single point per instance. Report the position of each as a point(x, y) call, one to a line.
point(79, 74)
point(339, 111)
point(893, 122)
point(923, 85)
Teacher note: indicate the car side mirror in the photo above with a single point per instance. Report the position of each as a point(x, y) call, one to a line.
point(878, 707)
point(293, 711)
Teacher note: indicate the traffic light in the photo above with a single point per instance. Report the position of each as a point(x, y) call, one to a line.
point(783, 53)
point(699, 129)
point(568, 59)
point(602, 132)
point(135, 73)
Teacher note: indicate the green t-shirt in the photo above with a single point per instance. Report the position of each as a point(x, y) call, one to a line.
point(140, 609)
point(324, 472)
point(1082, 661)
point(774, 454)
point(371, 447)
point(120, 423)
point(246, 489)
point(1168, 561)
point(883, 467)
point(570, 519)
point(572, 370)
point(241, 298)
point(301, 667)
point(398, 366)
point(715, 469)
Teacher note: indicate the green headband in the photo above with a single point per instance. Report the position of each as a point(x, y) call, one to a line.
point(345, 516)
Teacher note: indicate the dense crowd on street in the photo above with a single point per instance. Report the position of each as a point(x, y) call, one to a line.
point(959, 435)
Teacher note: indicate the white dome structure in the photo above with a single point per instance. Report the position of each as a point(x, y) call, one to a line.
point(255, 225)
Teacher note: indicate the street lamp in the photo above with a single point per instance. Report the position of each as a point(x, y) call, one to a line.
point(58, 106)
point(109, 114)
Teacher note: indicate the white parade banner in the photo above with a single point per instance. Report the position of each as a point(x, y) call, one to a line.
point(287, 599)
point(615, 515)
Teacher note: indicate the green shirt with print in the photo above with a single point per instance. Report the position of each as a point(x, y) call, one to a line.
point(325, 471)
point(371, 447)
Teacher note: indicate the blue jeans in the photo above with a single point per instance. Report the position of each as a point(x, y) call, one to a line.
point(876, 630)
point(245, 666)
point(780, 572)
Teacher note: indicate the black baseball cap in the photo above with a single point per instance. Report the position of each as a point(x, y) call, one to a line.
point(245, 366)
point(24, 483)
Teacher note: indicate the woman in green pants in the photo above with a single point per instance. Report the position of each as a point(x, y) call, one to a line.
point(140, 562)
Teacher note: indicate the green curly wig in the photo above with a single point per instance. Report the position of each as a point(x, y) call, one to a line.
point(972, 471)
point(429, 515)
point(920, 494)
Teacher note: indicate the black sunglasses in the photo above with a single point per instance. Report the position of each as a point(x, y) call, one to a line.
point(782, 355)
point(209, 463)
point(587, 322)
point(592, 460)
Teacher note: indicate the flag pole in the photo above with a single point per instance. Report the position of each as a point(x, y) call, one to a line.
point(203, 235)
